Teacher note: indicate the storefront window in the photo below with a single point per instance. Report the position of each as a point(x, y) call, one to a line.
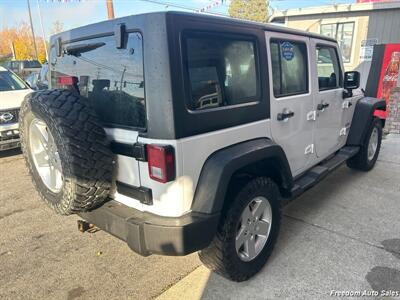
point(343, 33)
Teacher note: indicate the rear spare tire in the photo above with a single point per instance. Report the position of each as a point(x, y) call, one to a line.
point(66, 150)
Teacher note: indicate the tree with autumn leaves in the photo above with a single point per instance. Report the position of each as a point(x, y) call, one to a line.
point(18, 41)
point(253, 10)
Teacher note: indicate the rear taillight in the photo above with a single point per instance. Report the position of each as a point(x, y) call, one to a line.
point(67, 80)
point(161, 162)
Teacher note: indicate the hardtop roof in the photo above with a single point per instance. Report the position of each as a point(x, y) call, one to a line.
point(253, 24)
point(104, 26)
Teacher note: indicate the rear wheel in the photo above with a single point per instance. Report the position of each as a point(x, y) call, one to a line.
point(247, 233)
point(366, 158)
point(66, 151)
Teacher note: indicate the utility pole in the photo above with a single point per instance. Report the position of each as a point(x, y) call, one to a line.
point(33, 33)
point(43, 34)
point(110, 9)
point(13, 50)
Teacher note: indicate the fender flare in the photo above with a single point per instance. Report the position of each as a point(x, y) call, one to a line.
point(219, 167)
point(363, 115)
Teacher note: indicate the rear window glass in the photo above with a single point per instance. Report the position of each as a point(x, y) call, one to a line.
point(221, 70)
point(112, 79)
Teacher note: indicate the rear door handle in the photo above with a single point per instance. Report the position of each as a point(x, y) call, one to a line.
point(322, 106)
point(283, 116)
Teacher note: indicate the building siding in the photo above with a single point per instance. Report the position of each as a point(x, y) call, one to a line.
point(383, 25)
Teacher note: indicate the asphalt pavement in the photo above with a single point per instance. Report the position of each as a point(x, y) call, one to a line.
point(339, 239)
point(44, 256)
point(341, 236)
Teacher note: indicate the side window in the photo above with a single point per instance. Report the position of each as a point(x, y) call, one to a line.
point(221, 70)
point(329, 75)
point(289, 67)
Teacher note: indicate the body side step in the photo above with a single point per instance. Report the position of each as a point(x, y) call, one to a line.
point(317, 173)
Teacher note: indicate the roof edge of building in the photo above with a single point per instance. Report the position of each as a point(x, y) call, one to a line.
point(337, 8)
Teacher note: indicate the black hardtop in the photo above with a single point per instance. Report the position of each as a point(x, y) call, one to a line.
point(138, 22)
point(166, 89)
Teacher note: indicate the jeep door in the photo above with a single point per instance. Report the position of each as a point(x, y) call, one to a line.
point(291, 98)
point(328, 81)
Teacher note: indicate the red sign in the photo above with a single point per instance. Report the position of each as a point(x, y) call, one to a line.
point(389, 75)
point(384, 73)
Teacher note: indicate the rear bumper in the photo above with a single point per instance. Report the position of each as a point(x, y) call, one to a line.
point(151, 234)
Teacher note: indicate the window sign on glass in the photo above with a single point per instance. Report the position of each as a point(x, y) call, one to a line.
point(289, 68)
point(221, 70)
point(287, 50)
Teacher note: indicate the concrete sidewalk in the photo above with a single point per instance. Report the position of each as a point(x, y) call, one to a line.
point(342, 235)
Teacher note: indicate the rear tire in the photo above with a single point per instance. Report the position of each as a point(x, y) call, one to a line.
point(366, 158)
point(224, 255)
point(72, 142)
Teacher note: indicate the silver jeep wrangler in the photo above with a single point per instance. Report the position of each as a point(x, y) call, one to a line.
point(181, 132)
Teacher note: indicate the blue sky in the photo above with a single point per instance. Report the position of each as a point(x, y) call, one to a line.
point(75, 13)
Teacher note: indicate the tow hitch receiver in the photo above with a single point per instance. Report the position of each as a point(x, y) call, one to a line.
point(84, 226)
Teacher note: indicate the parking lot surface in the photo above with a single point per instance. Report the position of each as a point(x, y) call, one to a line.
point(342, 235)
point(44, 256)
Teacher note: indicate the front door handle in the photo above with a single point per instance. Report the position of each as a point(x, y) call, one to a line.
point(322, 106)
point(283, 116)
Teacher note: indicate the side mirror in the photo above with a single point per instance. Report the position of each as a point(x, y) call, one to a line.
point(351, 80)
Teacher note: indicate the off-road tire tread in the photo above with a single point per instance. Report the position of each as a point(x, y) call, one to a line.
point(217, 256)
point(89, 164)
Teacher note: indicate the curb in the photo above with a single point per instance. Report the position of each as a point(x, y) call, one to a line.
point(190, 287)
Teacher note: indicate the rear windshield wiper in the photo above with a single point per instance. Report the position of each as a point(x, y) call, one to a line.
point(76, 50)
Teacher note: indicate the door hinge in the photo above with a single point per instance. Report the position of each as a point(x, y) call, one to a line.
point(309, 149)
point(136, 150)
point(312, 115)
point(343, 131)
point(346, 104)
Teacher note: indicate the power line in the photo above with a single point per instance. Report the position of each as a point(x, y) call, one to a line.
point(211, 5)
